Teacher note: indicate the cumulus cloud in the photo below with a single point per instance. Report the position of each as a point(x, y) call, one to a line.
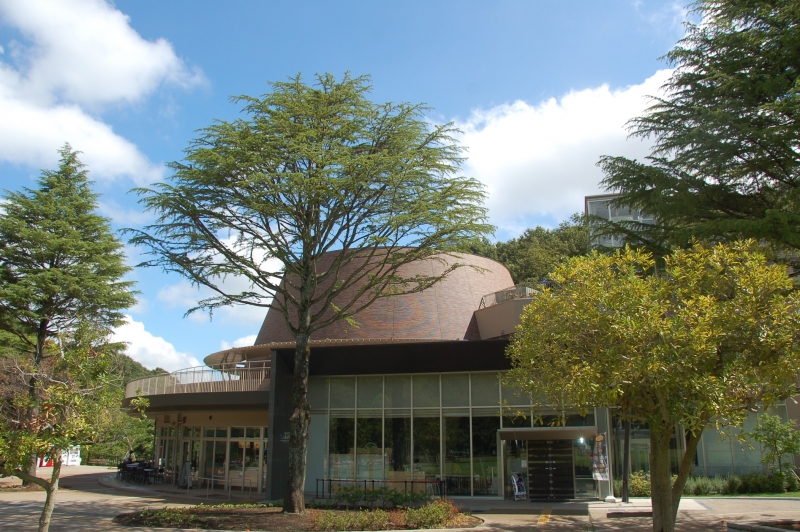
point(539, 161)
point(151, 351)
point(244, 341)
point(79, 56)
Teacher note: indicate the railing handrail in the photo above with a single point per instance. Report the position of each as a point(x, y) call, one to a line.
point(229, 377)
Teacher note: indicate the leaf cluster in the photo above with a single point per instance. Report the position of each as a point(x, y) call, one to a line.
point(60, 263)
point(74, 399)
point(726, 133)
point(310, 170)
point(708, 339)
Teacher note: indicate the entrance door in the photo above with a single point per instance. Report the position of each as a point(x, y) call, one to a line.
point(550, 470)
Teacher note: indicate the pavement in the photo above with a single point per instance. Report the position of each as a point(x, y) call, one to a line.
point(91, 498)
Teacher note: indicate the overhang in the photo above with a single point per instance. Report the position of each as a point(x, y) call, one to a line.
point(195, 402)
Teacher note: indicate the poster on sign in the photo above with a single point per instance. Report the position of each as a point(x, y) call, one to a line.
point(600, 458)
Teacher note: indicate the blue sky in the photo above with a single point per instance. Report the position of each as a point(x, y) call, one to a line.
point(540, 90)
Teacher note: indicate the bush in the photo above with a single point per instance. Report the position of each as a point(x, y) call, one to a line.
point(639, 484)
point(791, 482)
point(754, 483)
point(434, 515)
point(732, 485)
point(438, 514)
point(776, 482)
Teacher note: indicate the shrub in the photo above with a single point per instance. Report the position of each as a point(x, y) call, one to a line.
point(791, 482)
point(438, 514)
point(754, 483)
point(433, 515)
point(732, 486)
point(776, 482)
point(639, 484)
point(702, 486)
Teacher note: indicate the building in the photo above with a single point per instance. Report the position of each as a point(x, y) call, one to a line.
point(412, 396)
point(600, 206)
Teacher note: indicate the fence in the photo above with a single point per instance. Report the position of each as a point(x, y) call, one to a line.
point(239, 377)
point(432, 487)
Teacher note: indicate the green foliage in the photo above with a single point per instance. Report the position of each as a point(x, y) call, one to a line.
point(61, 293)
point(698, 486)
point(385, 497)
point(124, 433)
point(59, 261)
point(705, 340)
point(171, 518)
point(350, 520)
point(437, 514)
point(313, 169)
point(780, 440)
point(534, 254)
point(74, 400)
point(725, 163)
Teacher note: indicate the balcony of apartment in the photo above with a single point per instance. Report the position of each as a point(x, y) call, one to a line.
point(236, 386)
point(499, 312)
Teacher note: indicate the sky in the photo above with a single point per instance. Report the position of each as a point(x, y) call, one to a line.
point(540, 90)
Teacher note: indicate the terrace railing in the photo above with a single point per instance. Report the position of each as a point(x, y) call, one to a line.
point(238, 377)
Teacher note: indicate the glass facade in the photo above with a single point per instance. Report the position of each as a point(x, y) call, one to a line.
point(229, 457)
point(717, 454)
point(426, 427)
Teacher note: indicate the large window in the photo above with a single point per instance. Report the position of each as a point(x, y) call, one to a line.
point(404, 428)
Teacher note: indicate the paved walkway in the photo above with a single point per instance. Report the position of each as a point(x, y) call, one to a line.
point(86, 504)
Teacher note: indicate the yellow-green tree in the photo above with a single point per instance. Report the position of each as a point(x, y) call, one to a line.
point(74, 402)
point(704, 341)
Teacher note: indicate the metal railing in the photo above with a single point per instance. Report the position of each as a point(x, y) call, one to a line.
point(237, 377)
point(513, 292)
point(326, 487)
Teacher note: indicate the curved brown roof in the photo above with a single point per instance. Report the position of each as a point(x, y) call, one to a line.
point(442, 312)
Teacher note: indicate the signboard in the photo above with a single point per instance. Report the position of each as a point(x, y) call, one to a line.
point(600, 458)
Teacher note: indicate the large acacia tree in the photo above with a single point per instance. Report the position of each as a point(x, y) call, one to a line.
point(704, 341)
point(725, 163)
point(310, 170)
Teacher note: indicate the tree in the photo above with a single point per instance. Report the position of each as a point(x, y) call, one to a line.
point(780, 440)
point(706, 341)
point(313, 169)
point(74, 398)
point(124, 433)
point(534, 254)
point(725, 162)
point(60, 264)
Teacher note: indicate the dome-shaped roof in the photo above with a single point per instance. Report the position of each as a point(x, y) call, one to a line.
point(442, 312)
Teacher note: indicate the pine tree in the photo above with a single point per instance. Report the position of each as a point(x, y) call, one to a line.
point(725, 163)
point(60, 265)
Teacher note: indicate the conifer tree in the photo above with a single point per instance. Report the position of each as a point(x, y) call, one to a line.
point(726, 159)
point(60, 265)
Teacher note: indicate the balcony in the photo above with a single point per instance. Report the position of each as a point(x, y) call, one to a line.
point(238, 377)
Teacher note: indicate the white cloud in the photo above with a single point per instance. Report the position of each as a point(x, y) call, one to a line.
point(79, 56)
point(185, 296)
point(151, 351)
point(32, 134)
point(244, 341)
point(85, 51)
point(539, 161)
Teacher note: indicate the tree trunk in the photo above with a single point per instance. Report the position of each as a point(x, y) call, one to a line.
point(660, 478)
point(50, 501)
point(38, 356)
point(687, 465)
point(294, 500)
